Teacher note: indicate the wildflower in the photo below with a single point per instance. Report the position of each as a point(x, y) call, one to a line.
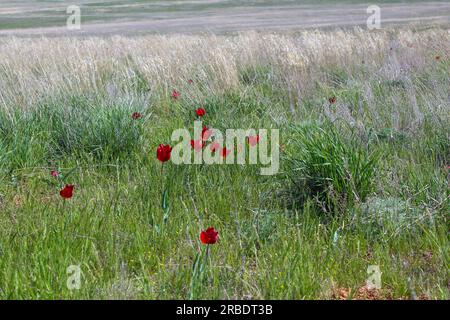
point(197, 145)
point(190, 81)
point(209, 236)
point(200, 112)
point(163, 152)
point(54, 173)
point(136, 115)
point(206, 133)
point(175, 94)
point(67, 191)
point(253, 140)
point(214, 146)
point(225, 152)
point(332, 100)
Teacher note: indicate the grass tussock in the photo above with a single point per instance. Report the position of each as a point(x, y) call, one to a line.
point(322, 165)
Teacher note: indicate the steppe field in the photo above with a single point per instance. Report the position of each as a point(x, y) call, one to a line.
point(92, 208)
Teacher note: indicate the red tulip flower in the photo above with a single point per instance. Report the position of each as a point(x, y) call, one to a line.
point(214, 146)
point(197, 145)
point(54, 173)
point(175, 94)
point(206, 133)
point(209, 236)
point(136, 115)
point(200, 112)
point(67, 191)
point(253, 140)
point(225, 152)
point(332, 100)
point(163, 152)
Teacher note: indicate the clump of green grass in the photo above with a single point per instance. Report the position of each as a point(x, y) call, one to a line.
point(50, 132)
point(324, 165)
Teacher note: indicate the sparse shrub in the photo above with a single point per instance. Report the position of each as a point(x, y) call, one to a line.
point(325, 166)
point(262, 228)
point(389, 216)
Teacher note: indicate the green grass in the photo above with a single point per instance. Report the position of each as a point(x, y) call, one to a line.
point(322, 165)
point(133, 228)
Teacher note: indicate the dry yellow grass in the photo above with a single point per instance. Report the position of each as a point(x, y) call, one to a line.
point(36, 68)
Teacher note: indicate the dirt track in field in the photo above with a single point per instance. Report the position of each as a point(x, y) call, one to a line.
point(285, 17)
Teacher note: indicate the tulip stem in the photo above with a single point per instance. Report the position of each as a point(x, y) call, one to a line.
point(207, 252)
point(63, 206)
point(162, 190)
point(162, 176)
point(208, 258)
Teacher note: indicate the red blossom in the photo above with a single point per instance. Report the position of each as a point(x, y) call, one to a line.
point(200, 112)
point(209, 236)
point(175, 94)
point(67, 191)
point(225, 152)
point(253, 140)
point(197, 145)
point(206, 133)
point(332, 100)
point(136, 115)
point(163, 152)
point(190, 81)
point(54, 173)
point(214, 146)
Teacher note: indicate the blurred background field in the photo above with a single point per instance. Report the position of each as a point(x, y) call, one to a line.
point(140, 17)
